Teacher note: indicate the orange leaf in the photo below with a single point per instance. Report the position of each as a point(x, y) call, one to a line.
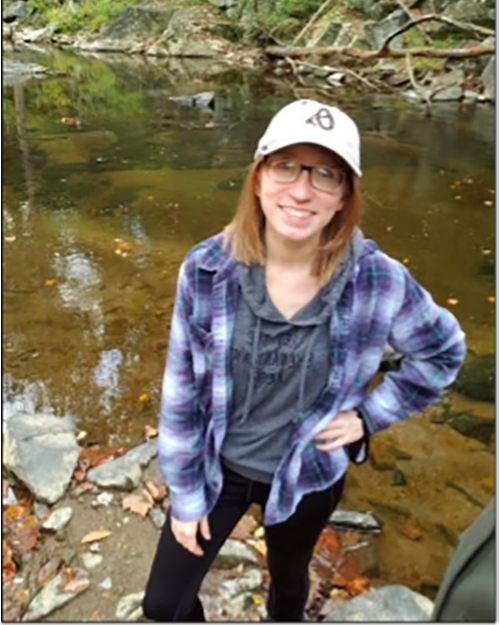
point(48, 572)
point(157, 491)
point(74, 580)
point(358, 585)
point(95, 536)
point(50, 282)
point(137, 503)
point(10, 239)
point(410, 530)
point(491, 299)
point(95, 617)
point(25, 536)
point(244, 529)
point(9, 568)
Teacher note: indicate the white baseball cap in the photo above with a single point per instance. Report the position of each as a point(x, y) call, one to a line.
point(308, 121)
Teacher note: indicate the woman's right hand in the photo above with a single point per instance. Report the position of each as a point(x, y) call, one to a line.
point(186, 532)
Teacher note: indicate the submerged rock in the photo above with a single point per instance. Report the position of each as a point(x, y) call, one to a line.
point(125, 472)
point(358, 520)
point(477, 378)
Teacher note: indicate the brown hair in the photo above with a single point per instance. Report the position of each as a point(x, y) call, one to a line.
point(245, 232)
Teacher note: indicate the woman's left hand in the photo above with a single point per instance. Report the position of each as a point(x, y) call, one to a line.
point(345, 428)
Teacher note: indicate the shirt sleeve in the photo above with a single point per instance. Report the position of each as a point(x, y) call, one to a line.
point(180, 443)
point(433, 348)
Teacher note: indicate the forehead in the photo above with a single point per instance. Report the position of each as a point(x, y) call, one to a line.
point(310, 152)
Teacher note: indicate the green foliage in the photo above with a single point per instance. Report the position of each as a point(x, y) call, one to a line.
point(87, 15)
point(298, 9)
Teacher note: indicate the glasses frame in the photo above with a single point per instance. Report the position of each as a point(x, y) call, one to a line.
point(309, 168)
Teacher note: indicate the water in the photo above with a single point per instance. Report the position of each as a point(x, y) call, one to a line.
point(108, 183)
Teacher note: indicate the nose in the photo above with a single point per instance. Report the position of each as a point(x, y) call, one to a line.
point(302, 190)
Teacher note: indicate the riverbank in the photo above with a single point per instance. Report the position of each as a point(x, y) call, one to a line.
point(426, 55)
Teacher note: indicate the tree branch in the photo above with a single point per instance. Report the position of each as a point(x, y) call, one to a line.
point(368, 55)
point(438, 18)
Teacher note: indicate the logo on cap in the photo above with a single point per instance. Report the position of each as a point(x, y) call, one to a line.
point(322, 118)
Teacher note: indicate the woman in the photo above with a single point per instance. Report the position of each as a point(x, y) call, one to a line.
point(279, 326)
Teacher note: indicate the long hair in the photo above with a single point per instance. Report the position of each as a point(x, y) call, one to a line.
point(244, 235)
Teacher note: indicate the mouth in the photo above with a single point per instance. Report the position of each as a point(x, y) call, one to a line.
point(297, 213)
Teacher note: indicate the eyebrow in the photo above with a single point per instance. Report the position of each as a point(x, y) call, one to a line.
point(281, 154)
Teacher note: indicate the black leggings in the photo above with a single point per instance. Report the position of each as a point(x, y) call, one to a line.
point(177, 574)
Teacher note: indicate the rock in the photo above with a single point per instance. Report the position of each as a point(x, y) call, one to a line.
point(91, 560)
point(481, 12)
point(477, 378)
point(357, 520)
point(9, 498)
point(249, 580)
point(124, 473)
point(158, 517)
point(67, 555)
point(398, 478)
point(16, 72)
point(489, 79)
point(103, 499)
point(377, 32)
point(58, 519)
point(449, 86)
point(389, 604)
point(16, 11)
point(223, 4)
point(38, 35)
point(129, 608)
point(106, 584)
point(336, 79)
point(472, 426)
point(233, 552)
point(42, 452)
point(137, 23)
point(203, 100)
point(52, 596)
point(327, 35)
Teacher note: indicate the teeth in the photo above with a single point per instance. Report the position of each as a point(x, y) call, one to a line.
point(297, 213)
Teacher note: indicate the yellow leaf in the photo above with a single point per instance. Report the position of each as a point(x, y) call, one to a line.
point(491, 299)
point(406, 260)
point(452, 301)
point(137, 503)
point(150, 431)
point(95, 536)
point(50, 282)
point(144, 398)
point(258, 600)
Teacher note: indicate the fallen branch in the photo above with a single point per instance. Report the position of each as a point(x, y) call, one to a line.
point(433, 17)
point(424, 93)
point(404, 7)
point(368, 55)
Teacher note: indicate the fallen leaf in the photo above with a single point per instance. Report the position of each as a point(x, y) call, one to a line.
point(244, 529)
point(50, 282)
point(259, 545)
point(491, 299)
point(147, 496)
point(10, 239)
point(406, 261)
point(157, 491)
point(21, 597)
point(409, 529)
point(258, 599)
point(9, 568)
point(358, 585)
point(458, 197)
point(48, 571)
point(71, 121)
point(95, 617)
point(25, 535)
point(136, 502)
point(74, 580)
point(488, 203)
point(452, 301)
point(144, 398)
point(150, 431)
point(95, 536)
point(486, 252)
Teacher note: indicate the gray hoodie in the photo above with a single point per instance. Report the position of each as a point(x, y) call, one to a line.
point(280, 367)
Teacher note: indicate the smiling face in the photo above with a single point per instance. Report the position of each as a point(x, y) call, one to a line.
point(297, 211)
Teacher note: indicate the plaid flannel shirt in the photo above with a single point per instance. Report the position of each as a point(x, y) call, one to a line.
point(381, 304)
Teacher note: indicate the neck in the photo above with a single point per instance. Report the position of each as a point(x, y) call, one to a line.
point(296, 254)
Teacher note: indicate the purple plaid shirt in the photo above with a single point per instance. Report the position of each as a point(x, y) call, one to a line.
point(381, 304)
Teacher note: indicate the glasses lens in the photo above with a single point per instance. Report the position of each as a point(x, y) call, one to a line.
point(327, 178)
point(283, 169)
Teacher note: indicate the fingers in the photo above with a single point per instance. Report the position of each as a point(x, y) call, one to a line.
point(205, 528)
point(185, 534)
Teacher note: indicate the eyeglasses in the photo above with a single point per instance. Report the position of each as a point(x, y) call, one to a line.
point(285, 170)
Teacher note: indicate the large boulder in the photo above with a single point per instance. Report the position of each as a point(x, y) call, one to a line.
point(477, 378)
point(489, 79)
point(41, 450)
point(377, 32)
point(15, 12)
point(481, 12)
point(389, 604)
point(138, 23)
